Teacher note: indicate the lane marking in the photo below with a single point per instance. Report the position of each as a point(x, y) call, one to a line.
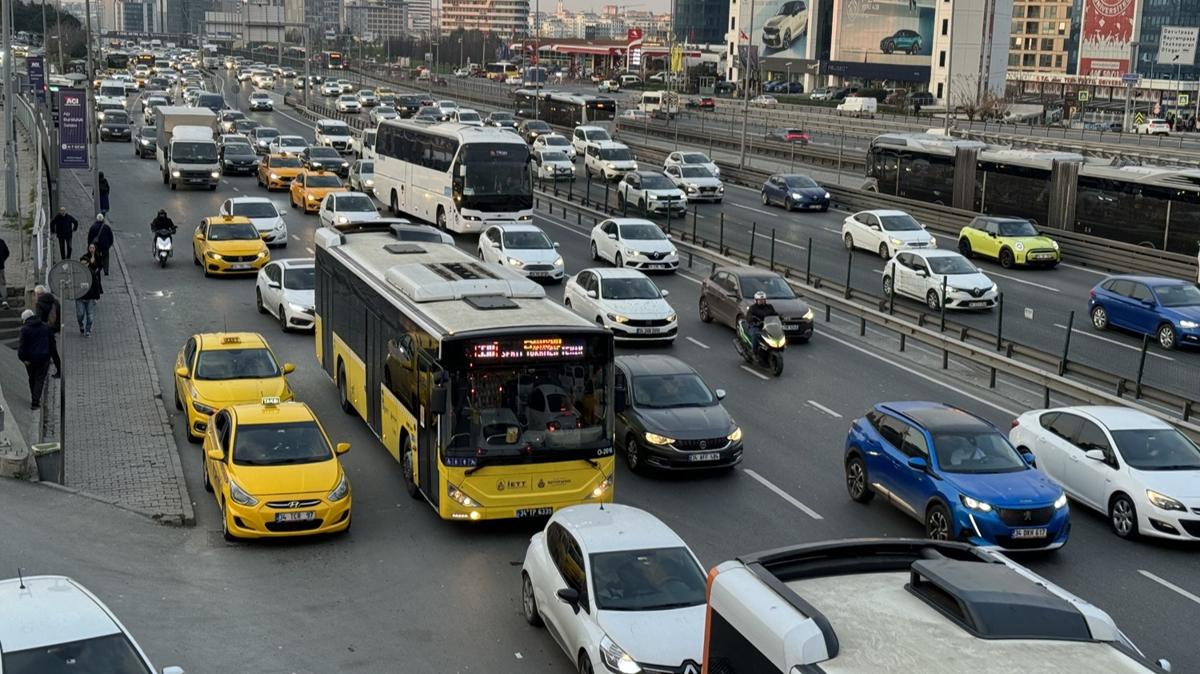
point(295, 238)
point(755, 373)
point(756, 210)
point(824, 409)
point(236, 190)
point(1077, 331)
point(309, 251)
point(1087, 269)
point(835, 231)
point(698, 343)
point(778, 240)
point(784, 495)
point(1021, 280)
point(1165, 583)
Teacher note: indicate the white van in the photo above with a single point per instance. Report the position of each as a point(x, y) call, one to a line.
point(858, 106)
point(333, 133)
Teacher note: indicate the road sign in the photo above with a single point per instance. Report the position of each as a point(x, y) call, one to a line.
point(1182, 100)
point(1082, 96)
point(1131, 78)
point(36, 66)
point(1177, 45)
point(1139, 118)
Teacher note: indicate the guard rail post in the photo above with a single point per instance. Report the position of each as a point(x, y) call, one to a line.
point(941, 306)
point(587, 197)
point(606, 210)
point(793, 148)
point(808, 263)
point(892, 302)
point(668, 219)
point(841, 145)
point(753, 236)
point(571, 189)
point(1137, 390)
point(721, 235)
point(849, 266)
point(1062, 362)
point(999, 321)
point(555, 181)
point(694, 223)
point(772, 249)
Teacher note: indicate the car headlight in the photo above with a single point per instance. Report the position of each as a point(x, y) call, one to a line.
point(994, 288)
point(369, 183)
point(691, 189)
point(897, 242)
point(808, 315)
point(214, 256)
point(656, 439)
point(298, 308)
point(601, 488)
point(671, 317)
point(721, 189)
point(459, 497)
point(974, 504)
point(174, 174)
point(1189, 325)
point(616, 659)
point(341, 491)
point(145, 141)
point(617, 318)
point(1164, 502)
point(1054, 243)
point(201, 408)
point(216, 174)
point(716, 171)
point(1060, 502)
point(262, 253)
point(315, 163)
point(797, 195)
point(1019, 245)
point(240, 496)
point(736, 435)
point(274, 176)
point(558, 261)
point(826, 195)
point(312, 197)
point(525, 218)
point(932, 242)
point(515, 262)
point(612, 166)
point(344, 164)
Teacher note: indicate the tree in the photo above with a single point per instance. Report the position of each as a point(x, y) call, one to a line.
point(27, 16)
point(974, 101)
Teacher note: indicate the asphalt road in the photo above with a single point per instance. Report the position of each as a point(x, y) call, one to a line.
point(407, 592)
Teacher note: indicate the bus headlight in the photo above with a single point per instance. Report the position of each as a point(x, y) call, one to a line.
point(601, 488)
point(459, 497)
point(525, 218)
point(341, 490)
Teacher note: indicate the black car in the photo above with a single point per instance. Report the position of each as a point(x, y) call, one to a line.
point(501, 120)
point(214, 102)
point(325, 159)
point(668, 418)
point(116, 126)
point(143, 142)
point(728, 292)
point(408, 106)
point(428, 113)
point(530, 129)
point(238, 158)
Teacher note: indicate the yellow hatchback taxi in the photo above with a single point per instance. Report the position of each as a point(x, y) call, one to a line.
point(229, 244)
point(310, 187)
point(218, 369)
point(278, 171)
point(274, 473)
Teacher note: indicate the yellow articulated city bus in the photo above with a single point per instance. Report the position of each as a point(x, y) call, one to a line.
point(496, 401)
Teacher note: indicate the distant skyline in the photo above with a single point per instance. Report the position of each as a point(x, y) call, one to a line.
point(595, 5)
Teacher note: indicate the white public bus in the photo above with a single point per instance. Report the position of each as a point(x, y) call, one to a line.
point(463, 178)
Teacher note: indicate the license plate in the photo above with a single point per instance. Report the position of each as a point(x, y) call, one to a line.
point(646, 331)
point(655, 266)
point(535, 512)
point(979, 304)
point(304, 516)
point(707, 456)
point(1029, 533)
point(239, 266)
point(538, 274)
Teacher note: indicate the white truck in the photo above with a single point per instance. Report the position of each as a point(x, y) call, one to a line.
point(185, 146)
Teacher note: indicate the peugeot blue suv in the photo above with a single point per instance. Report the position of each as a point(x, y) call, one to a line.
point(956, 473)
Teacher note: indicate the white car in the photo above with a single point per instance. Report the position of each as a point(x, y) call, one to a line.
point(347, 103)
point(697, 182)
point(625, 302)
point(922, 275)
point(692, 159)
point(341, 208)
point(1137, 469)
point(263, 80)
point(1157, 127)
point(554, 141)
point(823, 94)
point(650, 192)
point(331, 88)
point(261, 100)
point(345, 86)
point(582, 135)
point(367, 98)
point(287, 145)
point(764, 101)
point(609, 159)
point(446, 107)
point(634, 243)
point(523, 248)
point(466, 117)
point(332, 133)
point(362, 176)
point(263, 213)
point(619, 590)
point(885, 232)
point(284, 289)
point(382, 113)
point(54, 624)
point(552, 164)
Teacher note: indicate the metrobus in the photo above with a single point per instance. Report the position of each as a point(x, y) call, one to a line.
point(496, 401)
point(463, 178)
point(565, 109)
point(1152, 206)
point(116, 60)
point(333, 60)
point(501, 70)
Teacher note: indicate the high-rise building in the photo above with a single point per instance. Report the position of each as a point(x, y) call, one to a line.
point(701, 21)
point(377, 18)
point(506, 18)
point(1040, 36)
point(970, 50)
point(1155, 15)
point(420, 16)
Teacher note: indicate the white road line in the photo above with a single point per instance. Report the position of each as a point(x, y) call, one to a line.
point(688, 277)
point(1021, 280)
point(236, 190)
point(295, 238)
point(778, 240)
point(1165, 583)
point(830, 229)
point(309, 251)
point(1077, 331)
point(825, 409)
point(1097, 272)
point(698, 343)
point(756, 374)
point(756, 210)
point(576, 232)
point(877, 271)
point(784, 495)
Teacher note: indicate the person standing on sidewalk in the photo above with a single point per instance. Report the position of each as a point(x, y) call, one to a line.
point(34, 351)
point(103, 193)
point(64, 225)
point(49, 310)
point(101, 236)
point(85, 307)
point(3, 287)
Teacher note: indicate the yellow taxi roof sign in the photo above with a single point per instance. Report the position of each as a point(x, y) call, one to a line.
point(231, 339)
point(270, 401)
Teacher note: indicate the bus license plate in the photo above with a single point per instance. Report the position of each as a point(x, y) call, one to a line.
point(295, 517)
point(1029, 533)
point(707, 456)
point(535, 512)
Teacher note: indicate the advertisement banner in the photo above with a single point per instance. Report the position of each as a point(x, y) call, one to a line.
point(72, 129)
point(896, 32)
point(36, 66)
point(1107, 31)
point(780, 28)
point(633, 47)
point(1176, 46)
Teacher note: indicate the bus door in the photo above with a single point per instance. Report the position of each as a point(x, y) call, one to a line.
point(375, 357)
point(431, 379)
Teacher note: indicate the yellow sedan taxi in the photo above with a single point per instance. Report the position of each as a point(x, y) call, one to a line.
point(217, 369)
point(277, 171)
point(229, 244)
point(274, 473)
point(310, 187)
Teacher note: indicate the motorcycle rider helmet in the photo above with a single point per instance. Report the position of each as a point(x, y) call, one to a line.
point(760, 296)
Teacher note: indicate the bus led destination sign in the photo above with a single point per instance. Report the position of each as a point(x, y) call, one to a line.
point(526, 348)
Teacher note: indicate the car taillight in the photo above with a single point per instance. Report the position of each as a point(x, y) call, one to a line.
point(1015, 423)
point(1092, 293)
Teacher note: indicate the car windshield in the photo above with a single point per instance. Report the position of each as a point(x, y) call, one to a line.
point(194, 153)
point(656, 181)
point(291, 141)
point(366, 167)
point(234, 115)
point(496, 171)
point(629, 289)
point(246, 125)
point(1017, 228)
point(260, 97)
point(333, 129)
point(799, 182)
point(149, 132)
point(596, 135)
point(465, 116)
point(554, 155)
point(537, 125)
point(239, 149)
point(694, 158)
point(300, 278)
point(672, 390)
point(279, 444)
point(641, 232)
point(347, 98)
point(775, 287)
point(285, 162)
point(501, 116)
point(616, 154)
point(695, 172)
point(256, 209)
point(647, 580)
point(385, 110)
point(111, 654)
point(555, 140)
point(116, 117)
point(900, 223)
point(1157, 449)
point(241, 231)
point(527, 241)
point(355, 203)
point(324, 153)
point(951, 265)
point(1178, 295)
point(263, 133)
point(322, 181)
point(976, 451)
point(223, 364)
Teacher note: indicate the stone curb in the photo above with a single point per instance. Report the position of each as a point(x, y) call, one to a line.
point(173, 519)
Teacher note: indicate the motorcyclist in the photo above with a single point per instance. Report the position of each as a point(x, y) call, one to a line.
point(161, 226)
point(756, 316)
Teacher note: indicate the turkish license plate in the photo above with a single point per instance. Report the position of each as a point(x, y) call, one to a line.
point(706, 456)
point(645, 331)
point(239, 266)
point(538, 274)
point(979, 304)
point(1029, 533)
point(535, 512)
point(303, 516)
point(656, 266)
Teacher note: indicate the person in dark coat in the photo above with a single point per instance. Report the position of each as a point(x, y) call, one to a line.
point(85, 307)
point(3, 287)
point(34, 351)
point(49, 310)
point(64, 225)
point(101, 236)
point(103, 193)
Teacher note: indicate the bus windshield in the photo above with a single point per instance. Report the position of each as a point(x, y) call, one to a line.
point(494, 171)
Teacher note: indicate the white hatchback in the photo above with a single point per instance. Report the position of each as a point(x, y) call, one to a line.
point(341, 208)
point(554, 141)
point(523, 248)
point(625, 301)
point(692, 159)
point(264, 214)
point(285, 289)
point(634, 243)
point(885, 232)
point(939, 276)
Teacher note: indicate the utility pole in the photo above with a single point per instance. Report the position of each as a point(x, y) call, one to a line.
point(10, 100)
point(93, 160)
point(308, 83)
point(537, 34)
point(1127, 121)
point(949, 79)
point(62, 65)
point(746, 85)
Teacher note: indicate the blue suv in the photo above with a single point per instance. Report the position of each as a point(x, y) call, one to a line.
point(1167, 309)
point(956, 473)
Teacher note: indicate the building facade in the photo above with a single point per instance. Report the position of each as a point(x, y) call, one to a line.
point(376, 19)
point(501, 17)
point(701, 21)
point(1040, 36)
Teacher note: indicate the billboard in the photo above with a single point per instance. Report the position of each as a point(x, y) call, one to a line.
point(72, 129)
point(899, 32)
point(1106, 33)
point(36, 66)
point(781, 28)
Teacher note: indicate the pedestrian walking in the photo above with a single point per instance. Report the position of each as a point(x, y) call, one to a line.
point(85, 306)
point(34, 351)
point(64, 226)
point(103, 193)
point(49, 309)
point(101, 236)
point(3, 287)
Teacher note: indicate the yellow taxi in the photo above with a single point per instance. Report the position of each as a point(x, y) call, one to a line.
point(274, 472)
point(217, 369)
point(277, 171)
point(310, 187)
point(229, 244)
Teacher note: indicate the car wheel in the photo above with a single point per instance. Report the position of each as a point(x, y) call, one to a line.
point(1166, 336)
point(1122, 516)
point(932, 300)
point(283, 322)
point(964, 247)
point(258, 301)
point(1099, 317)
point(848, 241)
point(765, 199)
point(856, 480)
point(595, 254)
point(343, 398)
point(1007, 259)
point(207, 484)
point(529, 607)
point(937, 523)
point(705, 312)
point(619, 261)
point(225, 532)
point(633, 454)
point(585, 665)
point(884, 253)
point(887, 286)
point(787, 204)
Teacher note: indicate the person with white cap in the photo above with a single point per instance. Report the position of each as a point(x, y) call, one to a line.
point(34, 351)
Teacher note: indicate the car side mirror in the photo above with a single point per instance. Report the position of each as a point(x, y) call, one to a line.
point(874, 228)
point(342, 447)
point(613, 237)
point(620, 400)
point(556, 244)
point(720, 393)
point(571, 596)
point(173, 669)
point(591, 294)
point(1030, 458)
point(1163, 664)
point(664, 292)
point(1096, 455)
point(992, 234)
point(199, 235)
point(216, 454)
point(288, 368)
point(919, 463)
point(922, 272)
point(181, 371)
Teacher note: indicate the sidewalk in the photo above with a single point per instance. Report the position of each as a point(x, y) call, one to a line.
point(119, 445)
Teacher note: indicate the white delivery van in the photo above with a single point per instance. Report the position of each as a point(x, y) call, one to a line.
point(858, 106)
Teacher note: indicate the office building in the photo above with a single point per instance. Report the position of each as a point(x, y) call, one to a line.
point(506, 18)
point(701, 21)
point(1040, 36)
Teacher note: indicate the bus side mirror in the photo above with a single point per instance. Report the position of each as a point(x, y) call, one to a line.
point(619, 400)
point(437, 401)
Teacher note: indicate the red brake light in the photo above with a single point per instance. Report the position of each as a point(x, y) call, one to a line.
point(1015, 423)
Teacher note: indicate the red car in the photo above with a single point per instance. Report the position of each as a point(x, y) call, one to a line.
point(703, 103)
point(789, 136)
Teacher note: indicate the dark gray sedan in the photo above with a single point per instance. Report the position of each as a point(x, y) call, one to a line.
point(116, 126)
point(668, 418)
point(727, 293)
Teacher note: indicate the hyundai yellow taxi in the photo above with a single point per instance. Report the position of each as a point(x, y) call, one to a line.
point(218, 369)
point(274, 472)
point(229, 244)
point(277, 171)
point(310, 187)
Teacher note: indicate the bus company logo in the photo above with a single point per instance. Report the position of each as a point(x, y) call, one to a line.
point(553, 482)
point(541, 484)
point(501, 485)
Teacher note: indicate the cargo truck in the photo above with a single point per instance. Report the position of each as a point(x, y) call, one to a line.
point(185, 147)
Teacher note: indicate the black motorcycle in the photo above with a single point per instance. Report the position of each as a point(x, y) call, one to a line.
point(768, 353)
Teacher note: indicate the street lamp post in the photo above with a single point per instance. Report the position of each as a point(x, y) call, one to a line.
point(1127, 121)
point(788, 65)
point(10, 139)
point(746, 86)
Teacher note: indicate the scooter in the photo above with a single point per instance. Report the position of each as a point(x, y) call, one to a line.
point(162, 246)
point(769, 354)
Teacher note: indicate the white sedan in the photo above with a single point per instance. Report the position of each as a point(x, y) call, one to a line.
point(1137, 469)
point(554, 141)
point(885, 232)
point(523, 248)
point(937, 276)
point(331, 88)
point(697, 182)
point(289, 145)
point(617, 588)
point(341, 208)
point(382, 113)
point(263, 213)
point(347, 103)
point(692, 159)
point(625, 301)
point(284, 289)
point(635, 243)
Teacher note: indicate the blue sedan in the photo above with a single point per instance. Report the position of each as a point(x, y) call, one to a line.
point(1165, 308)
point(794, 191)
point(956, 473)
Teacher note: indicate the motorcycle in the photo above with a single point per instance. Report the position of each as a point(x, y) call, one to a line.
point(163, 246)
point(769, 351)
